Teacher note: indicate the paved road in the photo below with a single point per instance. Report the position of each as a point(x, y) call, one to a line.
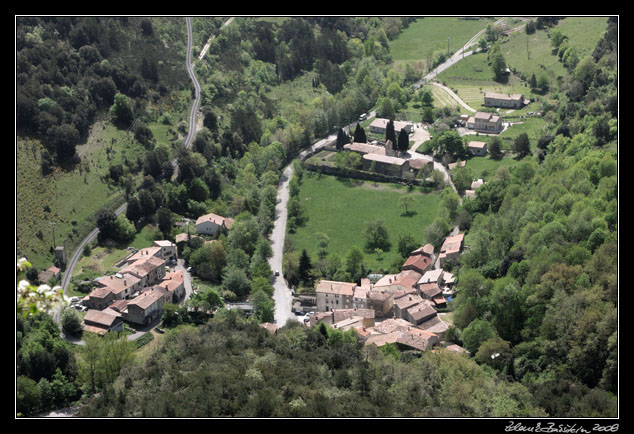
point(457, 56)
point(282, 294)
point(190, 70)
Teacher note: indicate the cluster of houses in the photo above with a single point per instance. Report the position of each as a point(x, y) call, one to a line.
point(397, 308)
point(138, 292)
point(381, 157)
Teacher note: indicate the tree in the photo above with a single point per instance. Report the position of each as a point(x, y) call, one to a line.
point(477, 332)
point(71, 322)
point(390, 134)
point(405, 202)
point(305, 267)
point(354, 263)
point(236, 280)
point(521, 145)
point(342, 139)
point(359, 134)
point(403, 141)
point(406, 245)
point(495, 148)
point(376, 235)
point(121, 111)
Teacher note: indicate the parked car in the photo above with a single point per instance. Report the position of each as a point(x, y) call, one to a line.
point(277, 273)
point(363, 117)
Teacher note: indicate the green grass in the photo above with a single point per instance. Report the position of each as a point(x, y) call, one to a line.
point(485, 167)
point(71, 196)
point(426, 35)
point(340, 208)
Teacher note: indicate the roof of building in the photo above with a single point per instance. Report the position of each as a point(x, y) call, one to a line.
point(382, 123)
point(430, 289)
point(333, 287)
point(144, 266)
point(365, 148)
point(417, 262)
point(143, 253)
point(427, 249)
point(118, 284)
point(431, 276)
point(164, 243)
point(215, 218)
point(385, 159)
point(452, 244)
point(379, 295)
point(477, 145)
point(173, 280)
point(100, 292)
point(505, 96)
point(421, 311)
point(404, 303)
point(341, 314)
point(146, 299)
point(477, 183)
point(270, 327)
point(100, 317)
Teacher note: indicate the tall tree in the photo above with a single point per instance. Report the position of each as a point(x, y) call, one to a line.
point(305, 267)
point(390, 134)
point(359, 134)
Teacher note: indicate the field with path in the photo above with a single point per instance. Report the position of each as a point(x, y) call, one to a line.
point(340, 208)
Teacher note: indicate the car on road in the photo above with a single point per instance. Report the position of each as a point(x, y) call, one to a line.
point(277, 273)
point(363, 117)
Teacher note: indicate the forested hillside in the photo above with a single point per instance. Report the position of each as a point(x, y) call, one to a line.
point(539, 281)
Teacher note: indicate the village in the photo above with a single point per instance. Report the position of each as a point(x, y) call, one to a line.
point(399, 309)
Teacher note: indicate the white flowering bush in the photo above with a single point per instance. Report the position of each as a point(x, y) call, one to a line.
point(32, 299)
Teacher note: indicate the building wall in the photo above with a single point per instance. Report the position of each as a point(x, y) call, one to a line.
point(207, 227)
point(327, 302)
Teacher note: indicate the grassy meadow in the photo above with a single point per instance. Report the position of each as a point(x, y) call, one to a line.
point(340, 208)
point(66, 198)
point(421, 38)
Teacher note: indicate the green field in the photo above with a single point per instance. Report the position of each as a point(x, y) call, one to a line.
point(485, 167)
point(340, 208)
point(429, 34)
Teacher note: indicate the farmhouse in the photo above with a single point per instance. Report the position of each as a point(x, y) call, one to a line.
point(367, 148)
point(379, 125)
point(174, 283)
point(478, 149)
point(485, 122)
point(392, 166)
point(210, 223)
point(504, 100)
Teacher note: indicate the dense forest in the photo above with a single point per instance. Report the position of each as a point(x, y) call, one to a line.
point(538, 285)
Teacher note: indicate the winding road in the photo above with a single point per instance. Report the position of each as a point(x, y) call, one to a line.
point(188, 140)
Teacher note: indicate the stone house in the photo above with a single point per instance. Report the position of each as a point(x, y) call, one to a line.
point(334, 295)
point(379, 125)
point(209, 224)
point(386, 165)
point(504, 100)
point(145, 308)
point(101, 322)
point(477, 149)
point(148, 269)
point(485, 122)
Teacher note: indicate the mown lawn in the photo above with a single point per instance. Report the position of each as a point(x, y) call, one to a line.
point(340, 208)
